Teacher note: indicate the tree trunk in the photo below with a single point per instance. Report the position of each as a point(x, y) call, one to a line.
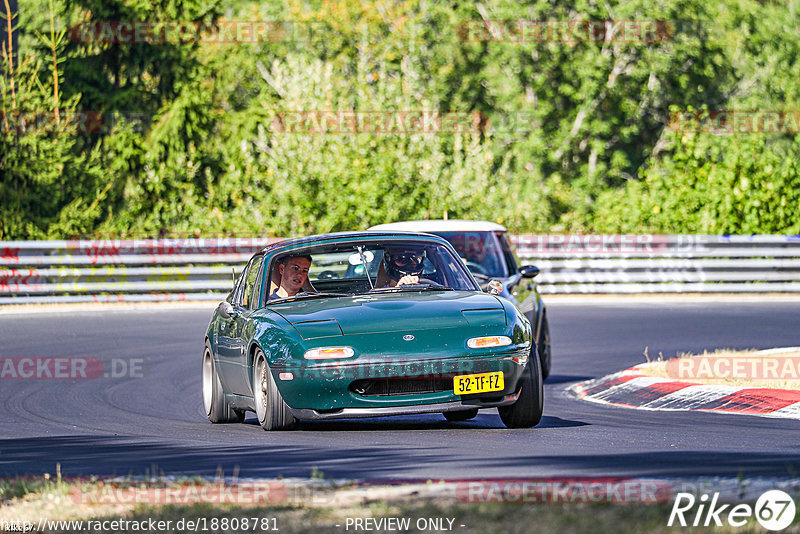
point(9, 6)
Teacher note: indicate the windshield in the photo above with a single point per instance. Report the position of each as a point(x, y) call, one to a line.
point(345, 269)
point(480, 251)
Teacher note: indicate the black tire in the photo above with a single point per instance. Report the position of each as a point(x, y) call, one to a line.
point(272, 412)
point(217, 408)
point(461, 415)
point(543, 346)
point(527, 411)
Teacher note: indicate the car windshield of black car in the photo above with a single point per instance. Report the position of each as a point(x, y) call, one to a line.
point(480, 251)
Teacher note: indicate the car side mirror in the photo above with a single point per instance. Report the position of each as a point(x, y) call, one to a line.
point(528, 271)
point(495, 287)
point(225, 309)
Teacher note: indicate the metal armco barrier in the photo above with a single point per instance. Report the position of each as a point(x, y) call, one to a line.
point(200, 269)
point(663, 263)
point(135, 270)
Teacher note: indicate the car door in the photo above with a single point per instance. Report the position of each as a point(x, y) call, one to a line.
point(233, 340)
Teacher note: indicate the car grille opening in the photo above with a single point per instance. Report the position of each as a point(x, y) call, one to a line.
point(385, 387)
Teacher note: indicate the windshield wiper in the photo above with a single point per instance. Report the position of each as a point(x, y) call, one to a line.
point(412, 287)
point(303, 296)
point(437, 287)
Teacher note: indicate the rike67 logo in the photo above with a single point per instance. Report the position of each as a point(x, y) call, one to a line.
point(774, 510)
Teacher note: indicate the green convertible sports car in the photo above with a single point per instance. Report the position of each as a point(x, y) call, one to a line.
point(367, 324)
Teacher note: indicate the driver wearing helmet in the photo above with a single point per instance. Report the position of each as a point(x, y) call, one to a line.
point(402, 266)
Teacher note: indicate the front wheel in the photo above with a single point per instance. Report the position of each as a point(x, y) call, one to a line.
point(272, 412)
point(216, 407)
point(543, 346)
point(527, 411)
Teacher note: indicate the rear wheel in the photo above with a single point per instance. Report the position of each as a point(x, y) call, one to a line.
point(461, 415)
point(527, 411)
point(272, 412)
point(217, 408)
point(543, 346)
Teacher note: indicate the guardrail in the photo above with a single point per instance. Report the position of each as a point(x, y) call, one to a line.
point(663, 263)
point(134, 270)
point(200, 269)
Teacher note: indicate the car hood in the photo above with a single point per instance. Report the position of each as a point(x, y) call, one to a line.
point(393, 312)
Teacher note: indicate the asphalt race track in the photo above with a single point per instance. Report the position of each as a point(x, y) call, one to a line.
point(153, 421)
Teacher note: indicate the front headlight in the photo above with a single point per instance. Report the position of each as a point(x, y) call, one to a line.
point(329, 353)
point(488, 341)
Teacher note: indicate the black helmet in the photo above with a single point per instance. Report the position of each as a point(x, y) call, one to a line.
point(403, 261)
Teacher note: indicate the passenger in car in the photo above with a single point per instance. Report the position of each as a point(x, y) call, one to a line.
point(291, 277)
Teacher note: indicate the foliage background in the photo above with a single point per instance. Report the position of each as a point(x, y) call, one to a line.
point(578, 139)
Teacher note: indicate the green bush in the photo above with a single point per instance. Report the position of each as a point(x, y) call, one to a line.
point(572, 136)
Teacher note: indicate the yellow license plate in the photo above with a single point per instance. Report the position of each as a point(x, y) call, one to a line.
point(466, 384)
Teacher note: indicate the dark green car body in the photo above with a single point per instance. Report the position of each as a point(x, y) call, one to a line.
point(408, 346)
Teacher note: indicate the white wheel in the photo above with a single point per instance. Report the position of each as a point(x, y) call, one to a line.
point(260, 387)
point(272, 412)
point(208, 381)
point(217, 408)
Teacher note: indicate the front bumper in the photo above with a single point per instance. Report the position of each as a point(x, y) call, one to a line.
point(353, 413)
point(327, 390)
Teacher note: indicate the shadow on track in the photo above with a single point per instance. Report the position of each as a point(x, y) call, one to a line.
point(483, 421)
point(676, 464)
point(557, 422)
point(115, 455)
point(563, 379)
point(123, 456)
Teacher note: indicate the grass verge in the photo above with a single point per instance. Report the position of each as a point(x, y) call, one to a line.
point(337, 510)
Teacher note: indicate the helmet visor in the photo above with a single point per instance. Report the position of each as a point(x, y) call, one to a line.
point(404, 261)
